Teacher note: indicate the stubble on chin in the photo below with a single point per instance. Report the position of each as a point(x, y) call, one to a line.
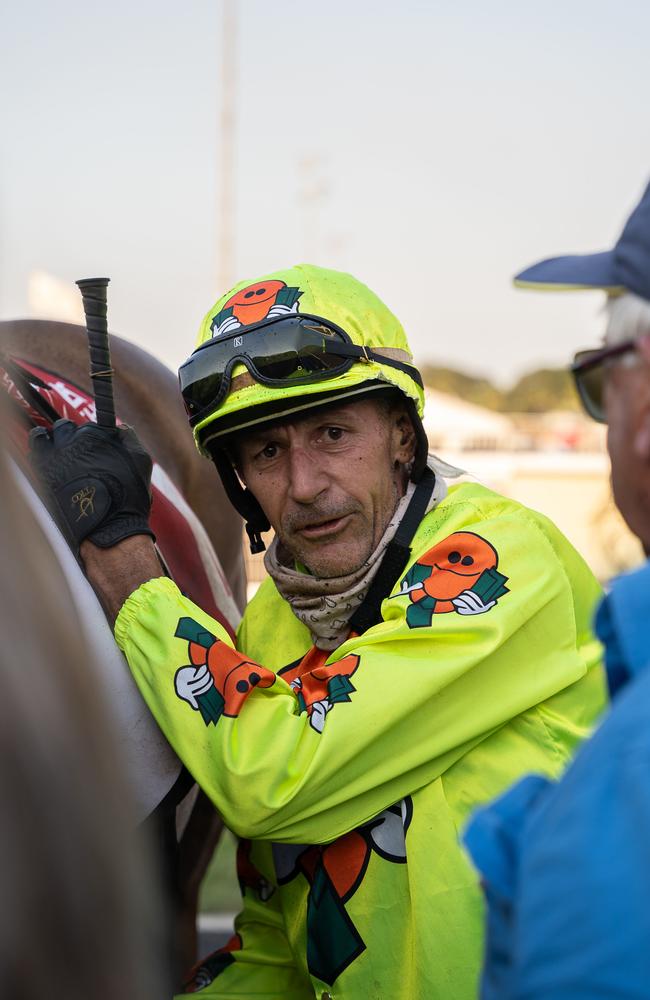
point(340, 558)
point(329, 560)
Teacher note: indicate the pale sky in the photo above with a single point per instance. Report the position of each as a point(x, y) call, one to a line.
point(453, 144)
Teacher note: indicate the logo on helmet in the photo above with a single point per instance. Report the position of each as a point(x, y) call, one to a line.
point(263, 300)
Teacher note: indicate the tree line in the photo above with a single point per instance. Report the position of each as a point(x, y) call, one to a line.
point(538, 391)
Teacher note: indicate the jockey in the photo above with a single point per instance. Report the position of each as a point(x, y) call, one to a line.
point(414, 648)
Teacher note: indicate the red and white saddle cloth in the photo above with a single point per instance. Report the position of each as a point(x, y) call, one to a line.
point(181, 538)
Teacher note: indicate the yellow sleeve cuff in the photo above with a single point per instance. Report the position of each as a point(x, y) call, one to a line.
point(138, 600)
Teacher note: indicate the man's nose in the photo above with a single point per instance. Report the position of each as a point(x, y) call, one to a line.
point(307, 477)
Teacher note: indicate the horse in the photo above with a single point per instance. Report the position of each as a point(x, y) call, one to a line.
point(44, 370)
point(80, 908)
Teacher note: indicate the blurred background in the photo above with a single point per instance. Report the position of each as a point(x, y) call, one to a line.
point(432, 149)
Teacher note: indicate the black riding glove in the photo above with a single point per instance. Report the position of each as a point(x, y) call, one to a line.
point(98, 480)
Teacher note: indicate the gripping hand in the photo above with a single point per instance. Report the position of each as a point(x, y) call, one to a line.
point(97, 478)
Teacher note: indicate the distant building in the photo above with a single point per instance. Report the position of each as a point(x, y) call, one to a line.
point(572, 488)
point(453, 424)
point(559, 430)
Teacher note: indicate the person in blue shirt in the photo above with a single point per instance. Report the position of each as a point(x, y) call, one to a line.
point(566, 866)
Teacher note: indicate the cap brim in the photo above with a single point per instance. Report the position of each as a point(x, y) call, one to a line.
point(575, 272)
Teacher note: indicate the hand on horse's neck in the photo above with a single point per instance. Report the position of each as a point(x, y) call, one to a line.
point(116, 573)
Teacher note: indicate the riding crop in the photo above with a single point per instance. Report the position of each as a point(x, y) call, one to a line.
point(93, 293)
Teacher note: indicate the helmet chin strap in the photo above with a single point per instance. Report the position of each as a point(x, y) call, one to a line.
point(241, 498)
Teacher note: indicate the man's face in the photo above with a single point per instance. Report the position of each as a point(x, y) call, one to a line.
point(329, 482)
point(627, 404)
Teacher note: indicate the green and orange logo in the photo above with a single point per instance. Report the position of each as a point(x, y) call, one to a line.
point(334, 873)
point(257, 302)
point(319, 686)
point(458, 574)
point(217, 680)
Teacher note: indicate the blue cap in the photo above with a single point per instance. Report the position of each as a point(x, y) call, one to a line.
point(625, 268)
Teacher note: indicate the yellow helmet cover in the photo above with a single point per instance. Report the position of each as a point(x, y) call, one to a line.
point(333, 296)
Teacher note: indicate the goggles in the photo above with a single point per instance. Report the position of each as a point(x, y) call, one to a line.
point(588, 370)
point(283, 351)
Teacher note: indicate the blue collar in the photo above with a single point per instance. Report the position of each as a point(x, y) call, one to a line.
point(623, 626)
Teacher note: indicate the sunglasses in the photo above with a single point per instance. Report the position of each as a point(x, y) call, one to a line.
point(588, 370)
point(283, 351)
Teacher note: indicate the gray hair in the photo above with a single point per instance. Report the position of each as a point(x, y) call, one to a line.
point(628, 317)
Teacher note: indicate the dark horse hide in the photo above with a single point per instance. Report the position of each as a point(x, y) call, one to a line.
point(44, 372)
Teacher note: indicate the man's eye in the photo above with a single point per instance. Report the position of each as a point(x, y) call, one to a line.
point(269, 451)
point(334, 433)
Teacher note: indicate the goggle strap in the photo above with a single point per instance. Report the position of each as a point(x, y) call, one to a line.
point(409, 370)
point(367, 354)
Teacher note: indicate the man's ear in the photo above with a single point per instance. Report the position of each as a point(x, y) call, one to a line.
point(404, 440)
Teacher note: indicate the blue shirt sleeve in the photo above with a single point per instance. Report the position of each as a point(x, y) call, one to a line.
point(582, 925)
point(493, 838)
point(566, 866)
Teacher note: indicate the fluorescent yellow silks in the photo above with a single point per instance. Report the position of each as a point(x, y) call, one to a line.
point(349, 775)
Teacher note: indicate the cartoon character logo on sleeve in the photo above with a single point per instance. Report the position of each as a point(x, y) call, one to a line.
point(203, 974)
point(319, 686)
point(335, 872)
point(458, 574)
point(263, 300)
point(218, 679)
point(249, 876)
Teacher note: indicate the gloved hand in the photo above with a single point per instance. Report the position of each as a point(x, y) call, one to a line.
point(98, 480)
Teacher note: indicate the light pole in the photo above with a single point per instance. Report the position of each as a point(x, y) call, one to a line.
point(226, 144)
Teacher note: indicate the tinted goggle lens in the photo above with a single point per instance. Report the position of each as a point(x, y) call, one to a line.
point(289, 356)
point(286, 352)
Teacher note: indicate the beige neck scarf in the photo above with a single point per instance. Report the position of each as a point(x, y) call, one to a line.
point(325, 605)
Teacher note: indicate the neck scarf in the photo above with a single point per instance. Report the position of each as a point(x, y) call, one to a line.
point(326, 604)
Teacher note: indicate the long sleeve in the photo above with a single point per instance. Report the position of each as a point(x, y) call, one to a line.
point(388, 712)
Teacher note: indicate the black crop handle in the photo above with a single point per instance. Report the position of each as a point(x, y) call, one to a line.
point(93, 292)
